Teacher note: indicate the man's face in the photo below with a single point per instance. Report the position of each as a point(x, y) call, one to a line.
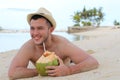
point(39, 30)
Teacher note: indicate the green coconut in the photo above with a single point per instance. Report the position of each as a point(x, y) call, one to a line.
point(47, 59)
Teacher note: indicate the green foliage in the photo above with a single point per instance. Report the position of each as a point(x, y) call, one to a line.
point(77, 24)
point(86, 23)
point(0, 28)
point(116, 23)
point(89, 23)
point(88, 17)
point(76, 19)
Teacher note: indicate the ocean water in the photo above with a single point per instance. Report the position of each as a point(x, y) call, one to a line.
point(10, 41)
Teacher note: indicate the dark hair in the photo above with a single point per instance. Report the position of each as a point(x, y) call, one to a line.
point(35, 17)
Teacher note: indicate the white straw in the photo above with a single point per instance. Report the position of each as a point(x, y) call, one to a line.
point(44, 46)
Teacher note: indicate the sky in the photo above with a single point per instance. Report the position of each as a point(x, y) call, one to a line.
point(13, 12)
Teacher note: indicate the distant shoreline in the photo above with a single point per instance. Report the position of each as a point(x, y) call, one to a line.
point(14, 31)
point(62, 30)
point(23, 31)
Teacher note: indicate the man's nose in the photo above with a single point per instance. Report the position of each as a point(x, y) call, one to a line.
point(36, 31)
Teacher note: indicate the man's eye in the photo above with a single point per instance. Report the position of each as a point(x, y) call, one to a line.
point(31, 28)
point(40, 28)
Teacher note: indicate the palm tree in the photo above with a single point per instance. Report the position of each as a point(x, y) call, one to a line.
point(100, 16)
point(94, 11)
point(90, 13)
point(0, 28)
point(85, 17)
point(116, 23)
point(76, 18)
point(88, 17)
point(84, 13)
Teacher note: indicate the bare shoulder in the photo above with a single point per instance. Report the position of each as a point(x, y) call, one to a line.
point(60, 39)
point(67, 48)
point(23, 56)
point(63, 44)
point(28, 45)
point(27, 48)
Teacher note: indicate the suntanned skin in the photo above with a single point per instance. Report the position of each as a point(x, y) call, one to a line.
point(33, 49)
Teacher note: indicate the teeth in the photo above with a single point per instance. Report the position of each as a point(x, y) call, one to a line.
point(36, 37)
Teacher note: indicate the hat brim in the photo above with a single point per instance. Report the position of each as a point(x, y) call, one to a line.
point(50, 18)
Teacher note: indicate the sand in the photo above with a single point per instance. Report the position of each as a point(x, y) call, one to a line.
point(102, 43)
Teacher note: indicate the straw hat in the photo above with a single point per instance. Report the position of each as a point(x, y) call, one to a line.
point(45, 13)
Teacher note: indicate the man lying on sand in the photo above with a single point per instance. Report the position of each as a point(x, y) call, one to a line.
point(42, 24)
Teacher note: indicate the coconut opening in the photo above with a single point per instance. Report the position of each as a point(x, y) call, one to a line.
point(47, 53)
point(47, 57)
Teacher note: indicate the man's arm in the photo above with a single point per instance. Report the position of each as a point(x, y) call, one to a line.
point(21, 72)
point(88, 64)
point(82, 60)
point(18, 67)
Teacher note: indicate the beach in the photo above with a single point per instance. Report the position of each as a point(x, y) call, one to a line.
point(104, 46)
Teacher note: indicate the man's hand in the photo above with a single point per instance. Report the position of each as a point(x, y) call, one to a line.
point(60, 70)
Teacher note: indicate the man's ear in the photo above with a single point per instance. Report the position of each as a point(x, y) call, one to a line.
point(52, 29)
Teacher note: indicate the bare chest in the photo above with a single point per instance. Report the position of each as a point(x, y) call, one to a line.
point(57, 50)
